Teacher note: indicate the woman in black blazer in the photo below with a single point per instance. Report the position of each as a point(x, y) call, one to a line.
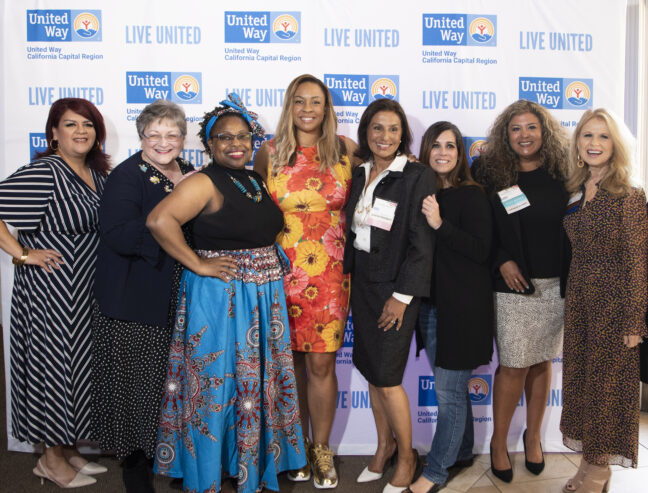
point(523, 169)
point(135, 287)
point(456, 322)
point(389, 254)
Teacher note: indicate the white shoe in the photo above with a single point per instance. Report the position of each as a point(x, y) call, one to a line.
point(77, 482)
point(92, 468)
point(89, 468)
point(366, 476)
point(389, 488)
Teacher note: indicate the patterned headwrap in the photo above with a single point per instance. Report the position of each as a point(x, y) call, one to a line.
point(233, 104)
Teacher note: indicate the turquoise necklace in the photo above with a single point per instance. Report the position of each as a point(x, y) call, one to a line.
point(256, 197)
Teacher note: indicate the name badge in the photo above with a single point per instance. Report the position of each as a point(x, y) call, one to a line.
point(382, 214)
point(513, 199)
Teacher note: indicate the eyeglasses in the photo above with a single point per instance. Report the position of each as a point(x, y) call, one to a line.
point(227, 137)
point(157, 138)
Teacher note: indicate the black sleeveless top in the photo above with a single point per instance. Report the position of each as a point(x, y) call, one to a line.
point(240, 223)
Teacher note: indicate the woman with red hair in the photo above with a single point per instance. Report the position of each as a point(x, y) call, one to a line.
point(53, 204)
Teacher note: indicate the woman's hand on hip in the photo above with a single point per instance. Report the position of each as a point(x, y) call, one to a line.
point(513, 277)
point(392, 314)
point(631, 341)
point(47, 259)
point(224, 268)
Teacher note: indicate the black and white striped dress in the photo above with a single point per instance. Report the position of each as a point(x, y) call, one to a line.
point(51, 207)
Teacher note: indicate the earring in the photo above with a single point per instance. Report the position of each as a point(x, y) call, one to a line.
point(580, 163)
point(98, 144)
point(51, 145)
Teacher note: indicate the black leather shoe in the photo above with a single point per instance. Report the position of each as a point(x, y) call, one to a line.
point(533, 467)
point(505, 475)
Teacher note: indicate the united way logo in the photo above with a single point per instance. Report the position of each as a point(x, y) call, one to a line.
point(348, 333)
point(459, 30)
point(384, 88)
point(285, 27)
point(479, 389)
point(426, 394)
point(475, 146)
point(482, 30)
point(186, 87)
point(578, 94)
point(361, 89)
point(63, 25)
point(557, 93)
point(262, 27)
point(86, 25)
point(37, 143)
point(179, 87)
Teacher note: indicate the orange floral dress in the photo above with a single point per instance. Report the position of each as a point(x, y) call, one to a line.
point(317, 291)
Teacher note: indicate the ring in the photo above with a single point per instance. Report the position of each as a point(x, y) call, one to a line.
point(395, 322)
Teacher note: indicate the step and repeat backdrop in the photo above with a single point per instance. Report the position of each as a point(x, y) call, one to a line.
point(456, 60)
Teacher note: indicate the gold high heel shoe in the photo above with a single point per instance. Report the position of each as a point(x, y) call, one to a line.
point(78, 481)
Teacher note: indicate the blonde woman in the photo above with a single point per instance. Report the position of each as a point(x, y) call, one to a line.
point(605, 304)
point(307, 168)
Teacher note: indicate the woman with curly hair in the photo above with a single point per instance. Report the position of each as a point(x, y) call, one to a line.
point(605, 304)
point(230, 402)
point(524, 168)
point(307, 167)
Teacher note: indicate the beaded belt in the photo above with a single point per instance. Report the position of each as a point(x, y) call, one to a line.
point(257, 265)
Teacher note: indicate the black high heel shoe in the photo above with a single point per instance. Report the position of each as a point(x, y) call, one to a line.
point(505, 475)
point(533, 467)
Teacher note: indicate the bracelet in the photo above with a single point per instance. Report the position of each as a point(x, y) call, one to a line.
point(23, 257)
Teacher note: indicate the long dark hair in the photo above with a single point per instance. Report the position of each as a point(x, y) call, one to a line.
point(96, 159)
point(363, 151)
point(460, 175)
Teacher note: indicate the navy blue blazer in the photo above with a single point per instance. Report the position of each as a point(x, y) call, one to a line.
point(404, 254)
point(133, 280)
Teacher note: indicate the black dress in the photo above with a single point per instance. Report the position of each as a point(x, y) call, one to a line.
point(130, 355)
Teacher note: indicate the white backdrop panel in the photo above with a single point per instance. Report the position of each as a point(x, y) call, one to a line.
point(458, 60)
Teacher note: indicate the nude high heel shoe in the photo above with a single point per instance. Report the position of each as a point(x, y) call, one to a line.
point(597, 479)
point(573, 484)
point(77, 482)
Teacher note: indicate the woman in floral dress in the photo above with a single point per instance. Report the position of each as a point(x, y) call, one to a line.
point(307, 169)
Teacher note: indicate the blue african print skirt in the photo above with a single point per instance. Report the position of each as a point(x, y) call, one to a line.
point(230, 399)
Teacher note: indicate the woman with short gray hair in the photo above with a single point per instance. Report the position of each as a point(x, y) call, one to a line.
point(135, 287)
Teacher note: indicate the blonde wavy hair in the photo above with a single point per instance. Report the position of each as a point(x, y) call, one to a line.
point(330, 147)
point(499, 163)
point(617, 179)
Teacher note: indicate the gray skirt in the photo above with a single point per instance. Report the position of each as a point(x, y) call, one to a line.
point(529, 328)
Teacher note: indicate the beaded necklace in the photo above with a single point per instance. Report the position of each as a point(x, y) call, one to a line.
point(256, 197)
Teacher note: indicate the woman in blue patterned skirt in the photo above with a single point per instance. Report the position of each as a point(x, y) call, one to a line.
point(53, 203)
point(230, 401)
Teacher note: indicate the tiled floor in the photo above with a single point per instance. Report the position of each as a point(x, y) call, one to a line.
point(559, 468)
